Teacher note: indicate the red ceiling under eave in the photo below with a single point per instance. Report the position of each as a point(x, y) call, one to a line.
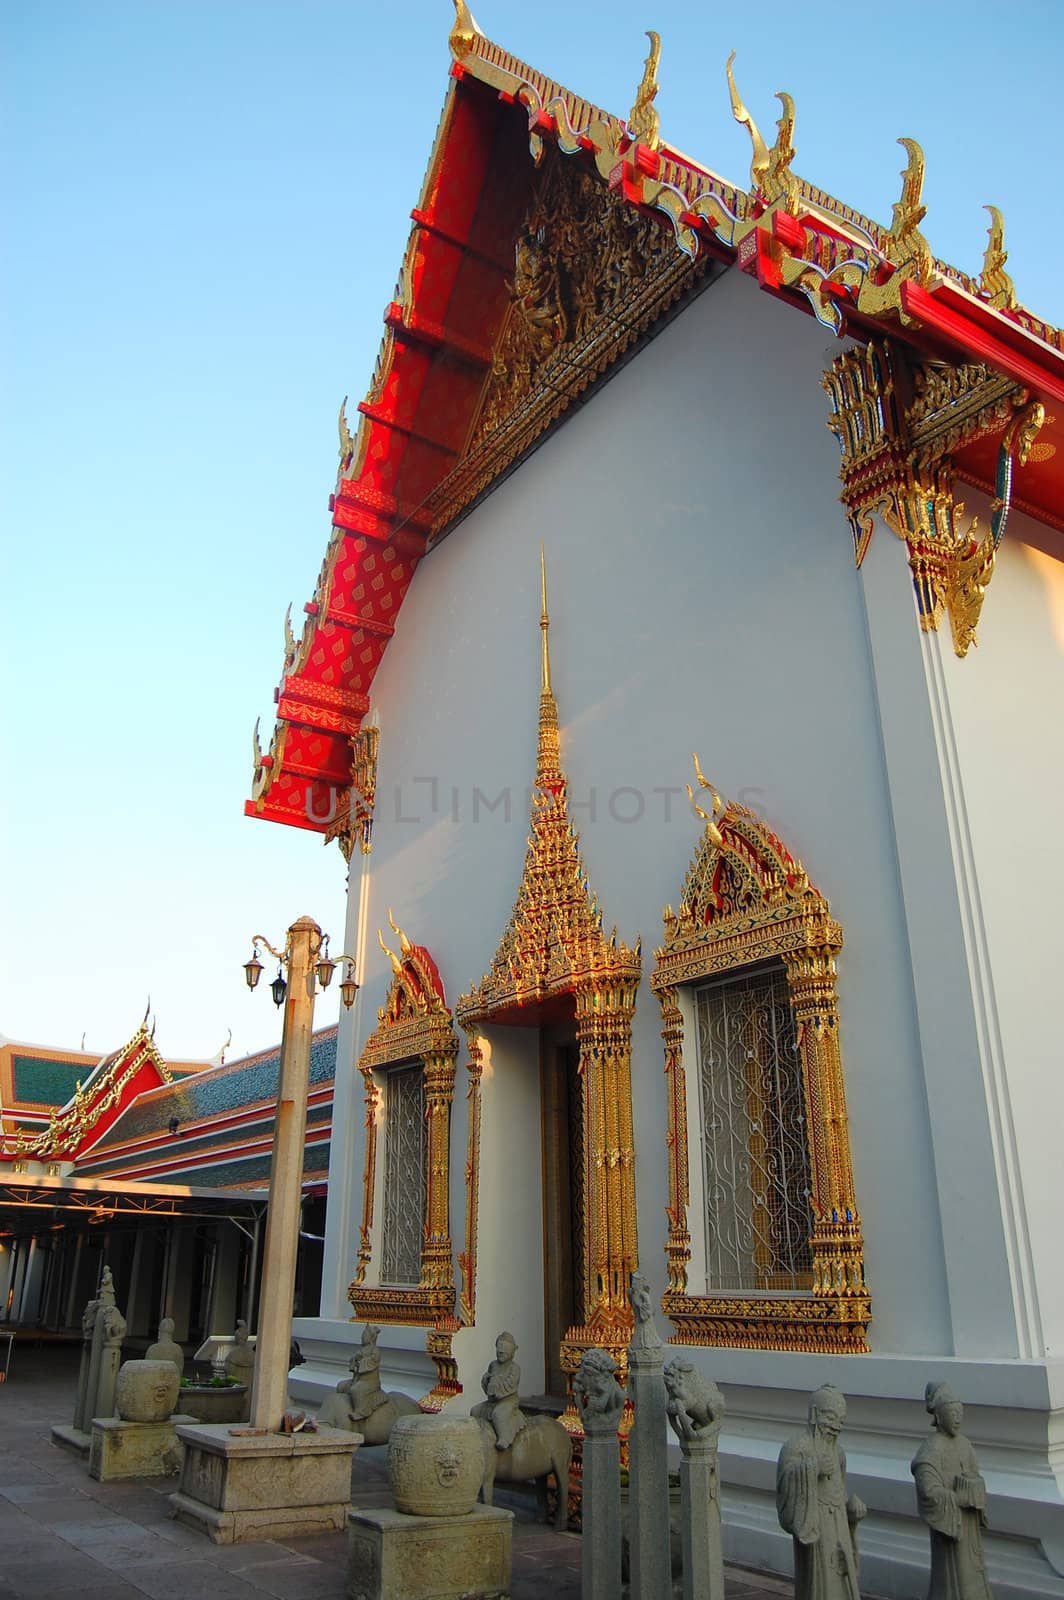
point(417, 425)
point(1038, 486)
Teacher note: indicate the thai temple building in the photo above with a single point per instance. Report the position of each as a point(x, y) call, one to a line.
point(653, 462)
point(158, 1169)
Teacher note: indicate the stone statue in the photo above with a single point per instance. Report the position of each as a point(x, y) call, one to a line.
point(645, 1335)
point(147, 1390)
point(695, 1408)
point(812, 1506)
point(359, 1404)
point(951, 1498)
point(501, 1383)
point(695, 1405)
point(598, 1395)
point(166, 1348)
point(240, 1362)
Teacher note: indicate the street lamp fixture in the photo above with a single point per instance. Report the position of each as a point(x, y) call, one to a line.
point(324, 968)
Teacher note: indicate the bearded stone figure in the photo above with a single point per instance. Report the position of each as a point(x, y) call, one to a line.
point(812, 1505)
point(951, 1498)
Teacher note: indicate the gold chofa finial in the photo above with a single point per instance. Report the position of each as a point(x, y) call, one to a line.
point(770, 170)
point(759, 156)
point(643, 121)
point(463, 30)
point(347, 443)
point(404, 943)
point(710, 818)
point(995, 282)
point(397, 965)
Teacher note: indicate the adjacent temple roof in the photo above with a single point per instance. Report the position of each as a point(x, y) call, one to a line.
point(548, 240)
point(134, 1117)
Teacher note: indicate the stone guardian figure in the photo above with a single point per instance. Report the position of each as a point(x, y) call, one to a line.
point(813, 1507)
point(951, 1499)
point(501, 1384)
point(695, 1408)
point(600, 1400)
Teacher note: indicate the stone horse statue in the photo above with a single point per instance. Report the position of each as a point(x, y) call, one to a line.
point(360, 1405)
point(517, 1447)
point(542, 1446)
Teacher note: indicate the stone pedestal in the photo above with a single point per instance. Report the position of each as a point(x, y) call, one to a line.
point(703, 1560)
point(392, 1555)
point(648, 1507)
point(271, 1485)
point(135, 1449)
point(72, 1439)
point(600, 1556)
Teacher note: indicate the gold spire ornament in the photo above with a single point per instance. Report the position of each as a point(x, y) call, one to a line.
point(994, 281)
point(643, 121)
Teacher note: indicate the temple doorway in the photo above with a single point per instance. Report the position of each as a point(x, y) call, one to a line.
point(561, 1090)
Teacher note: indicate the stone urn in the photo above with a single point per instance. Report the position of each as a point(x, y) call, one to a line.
point(436, 1465)
point(147, 1391)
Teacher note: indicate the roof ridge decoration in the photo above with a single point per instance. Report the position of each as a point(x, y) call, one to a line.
point(69, 1126)
point(746, 899)
point(554, 946)
point(413, 1024)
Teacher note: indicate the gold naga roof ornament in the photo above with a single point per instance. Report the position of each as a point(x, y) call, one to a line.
point(347, 441)
point(994, 281)
point(906, 250)
point(290, 643)
point(644, 123)
point(771, 177)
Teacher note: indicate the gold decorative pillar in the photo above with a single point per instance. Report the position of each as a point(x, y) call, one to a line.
point(437, 1267)
point(678, 1243)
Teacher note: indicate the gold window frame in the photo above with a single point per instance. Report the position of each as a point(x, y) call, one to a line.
point(413, 1025)
point(746, 900)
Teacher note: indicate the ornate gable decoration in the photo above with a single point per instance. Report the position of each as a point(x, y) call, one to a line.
point(415, 1019)
point(553, 943)
point(101, 1096)
point(746, 899)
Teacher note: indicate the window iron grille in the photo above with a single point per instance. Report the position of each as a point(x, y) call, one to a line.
point(754, 1136)
point(404, 1177)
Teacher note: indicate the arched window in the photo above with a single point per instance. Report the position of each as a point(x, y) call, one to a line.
point(405, 1269)
point(764, 1245)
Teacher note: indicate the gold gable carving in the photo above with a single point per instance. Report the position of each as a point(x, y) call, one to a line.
point(591, 274)
point(413, 1024)
point(745, 900)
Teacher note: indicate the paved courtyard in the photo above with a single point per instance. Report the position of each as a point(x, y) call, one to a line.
point(64, 1536)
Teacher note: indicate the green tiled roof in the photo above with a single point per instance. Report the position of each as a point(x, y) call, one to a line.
point(39, 1081)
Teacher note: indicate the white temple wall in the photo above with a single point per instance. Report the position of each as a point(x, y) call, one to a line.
point(1006, 700)
point(702, 595)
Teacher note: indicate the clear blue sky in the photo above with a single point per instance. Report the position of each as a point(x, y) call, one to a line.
point(205, 206)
